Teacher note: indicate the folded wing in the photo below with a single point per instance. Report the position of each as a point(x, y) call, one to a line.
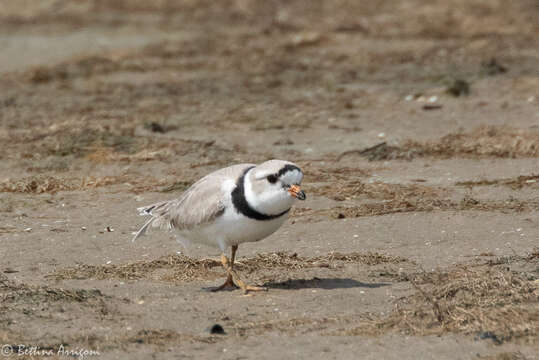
point(200, 204)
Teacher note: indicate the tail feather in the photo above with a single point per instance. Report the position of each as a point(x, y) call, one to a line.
point(149, 209)
point(155, 211)
point(143, 229)
point(145, 210)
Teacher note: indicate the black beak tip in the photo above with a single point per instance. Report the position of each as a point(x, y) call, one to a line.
point(301, 195)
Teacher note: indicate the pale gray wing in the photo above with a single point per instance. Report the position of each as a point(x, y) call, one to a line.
point(200, 204)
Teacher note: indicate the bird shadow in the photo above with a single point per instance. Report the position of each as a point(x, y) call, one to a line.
point(321, 283)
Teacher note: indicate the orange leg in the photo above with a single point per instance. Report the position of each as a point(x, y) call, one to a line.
point(229, 283)
point(233, 280)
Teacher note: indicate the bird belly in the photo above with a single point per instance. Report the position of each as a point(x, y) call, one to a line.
point(233, 228)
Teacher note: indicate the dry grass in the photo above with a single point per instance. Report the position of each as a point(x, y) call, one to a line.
point(190, 269)
point(50, 184)
point(107, 154)
point(316, 173)
point(346, 190)
point(513, 183)
point(504, 356)
point(83, 67)
point(413, 205)
point(488, 301)
point(181, 268)
point(485, 141)
point(383, 151)
point(84, 141)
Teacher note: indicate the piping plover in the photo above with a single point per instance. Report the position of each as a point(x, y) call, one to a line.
point(237, 204)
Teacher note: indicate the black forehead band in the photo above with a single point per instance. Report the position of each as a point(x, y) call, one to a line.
point(287, 168)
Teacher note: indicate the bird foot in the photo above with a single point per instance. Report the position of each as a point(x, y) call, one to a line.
point(227, 285)
point(253, 288)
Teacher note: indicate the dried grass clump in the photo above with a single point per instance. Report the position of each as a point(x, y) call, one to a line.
point(485, 141)
point(419, 204)
point(185, 269)
point(81, 142)
point(491, 141)
point(49, 184)
point(504, 356)
point(107, 154)
point(190, 269)
point(345, 190)
point(326, 174)
point(513, 183)
point(492, 302)
point(383, 151)
point(83, 67)
point(35, 184)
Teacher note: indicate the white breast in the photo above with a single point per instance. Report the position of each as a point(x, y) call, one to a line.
point(233, 228)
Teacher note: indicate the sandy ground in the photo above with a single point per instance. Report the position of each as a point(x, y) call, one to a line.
point(416, 124)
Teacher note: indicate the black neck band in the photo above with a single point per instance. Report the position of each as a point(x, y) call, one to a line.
point(242, 205)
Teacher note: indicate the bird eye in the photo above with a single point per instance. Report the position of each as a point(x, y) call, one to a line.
point(272, 178)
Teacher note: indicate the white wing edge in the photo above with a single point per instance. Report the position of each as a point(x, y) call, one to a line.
point(143, 229)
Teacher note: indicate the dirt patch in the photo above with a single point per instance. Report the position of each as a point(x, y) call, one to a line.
point(166, 337)
point(20, 298)
point(289, 327)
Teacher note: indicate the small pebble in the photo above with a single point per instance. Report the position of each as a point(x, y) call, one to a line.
point(217, 329)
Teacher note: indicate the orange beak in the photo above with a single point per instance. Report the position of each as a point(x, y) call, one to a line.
point(296, 192)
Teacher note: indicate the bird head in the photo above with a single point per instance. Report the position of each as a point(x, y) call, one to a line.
point(273, 186)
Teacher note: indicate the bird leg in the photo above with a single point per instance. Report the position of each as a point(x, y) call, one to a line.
point(229, 283)
point(233, 280)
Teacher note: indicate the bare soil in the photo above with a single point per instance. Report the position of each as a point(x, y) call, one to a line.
point(416, 124)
